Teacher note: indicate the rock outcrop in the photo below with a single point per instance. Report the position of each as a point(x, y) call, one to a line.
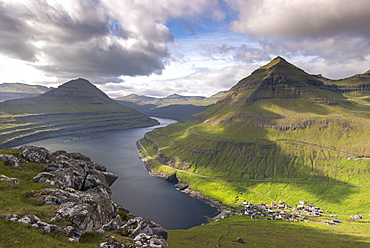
point(83, 197)
point(67, 172)
point(10, 160)
point(9, 179)
point(36, 154)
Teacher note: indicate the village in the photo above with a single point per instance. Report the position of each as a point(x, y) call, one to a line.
point(283, 211)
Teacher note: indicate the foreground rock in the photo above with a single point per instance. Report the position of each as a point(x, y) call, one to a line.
point(10, 160)
point(84, 199)
point(85, 210)
point(79, 175)
point(9, 179)
point(138, 225)
point(35, 154)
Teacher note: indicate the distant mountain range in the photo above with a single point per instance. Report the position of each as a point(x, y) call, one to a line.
point(74, 107)
point(279, 122)
point(19, 90)
point(175, 106)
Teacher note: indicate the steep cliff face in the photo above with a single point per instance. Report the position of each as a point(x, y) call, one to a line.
point(277, 122)
point(74, 107)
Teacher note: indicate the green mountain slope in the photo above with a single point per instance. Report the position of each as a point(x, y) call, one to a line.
point(279, 124)
point(19, 90)
point(74, 107)
point(175, 106)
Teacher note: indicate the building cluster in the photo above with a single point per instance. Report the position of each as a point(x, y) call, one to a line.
point(274, 211)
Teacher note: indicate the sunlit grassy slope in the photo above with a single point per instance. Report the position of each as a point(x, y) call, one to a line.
point(280, 124)
point(75, 107)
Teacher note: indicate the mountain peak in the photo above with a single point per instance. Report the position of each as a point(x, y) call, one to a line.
point(279, 62)
point(77, 90)
point(78, 83)
point(277, 79)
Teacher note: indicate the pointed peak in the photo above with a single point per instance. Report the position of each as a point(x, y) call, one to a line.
point(278, 61)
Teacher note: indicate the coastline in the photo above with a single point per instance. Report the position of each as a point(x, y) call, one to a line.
point(185, 188)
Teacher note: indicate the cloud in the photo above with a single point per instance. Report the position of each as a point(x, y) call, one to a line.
point(202, 82)
point(301, 18)
point(334, 31)
point(105, 38)
point(242, 53)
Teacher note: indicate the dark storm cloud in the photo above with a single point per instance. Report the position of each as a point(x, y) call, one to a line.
point(15, 37)
point(72, 39)
point(109, 58)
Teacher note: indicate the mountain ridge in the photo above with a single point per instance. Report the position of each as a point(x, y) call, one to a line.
point(74, 107)
point(174, 106)
point(20, 90)
point(278, 124)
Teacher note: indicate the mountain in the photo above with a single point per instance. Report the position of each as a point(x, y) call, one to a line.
point(174, 106)
point(74, 107)
point(278, 124)
point(19, 90)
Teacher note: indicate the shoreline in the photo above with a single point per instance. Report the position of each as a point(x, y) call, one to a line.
point(185, 188)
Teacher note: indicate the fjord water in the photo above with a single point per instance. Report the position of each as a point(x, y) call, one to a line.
point(135, 189)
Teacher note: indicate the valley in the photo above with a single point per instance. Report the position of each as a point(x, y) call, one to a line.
point(278, 135)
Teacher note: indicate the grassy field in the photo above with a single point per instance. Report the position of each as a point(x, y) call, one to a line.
point(264, 233)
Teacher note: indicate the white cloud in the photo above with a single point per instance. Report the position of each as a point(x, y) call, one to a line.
point(132, 44)
point(302, 18)
point(80, 38)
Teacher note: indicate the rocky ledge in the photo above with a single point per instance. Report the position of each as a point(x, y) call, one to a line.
point(82, 192)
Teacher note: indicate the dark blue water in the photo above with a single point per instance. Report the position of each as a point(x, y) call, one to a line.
point(135, 189)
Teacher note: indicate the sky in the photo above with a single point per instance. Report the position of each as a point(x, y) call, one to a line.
point(189, 47)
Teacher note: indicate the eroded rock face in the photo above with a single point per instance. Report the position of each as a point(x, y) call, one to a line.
point(85, 210)
point(81, 175)
point(36, 154)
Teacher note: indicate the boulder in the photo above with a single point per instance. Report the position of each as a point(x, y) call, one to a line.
point(138, 225)
point(239, 240)
point(152, 241)
point(113, 224)
point(111, 243)
point(78, 174)
point(36, 154)
point(9, 179)
point(85, 210)
point(10, 160)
